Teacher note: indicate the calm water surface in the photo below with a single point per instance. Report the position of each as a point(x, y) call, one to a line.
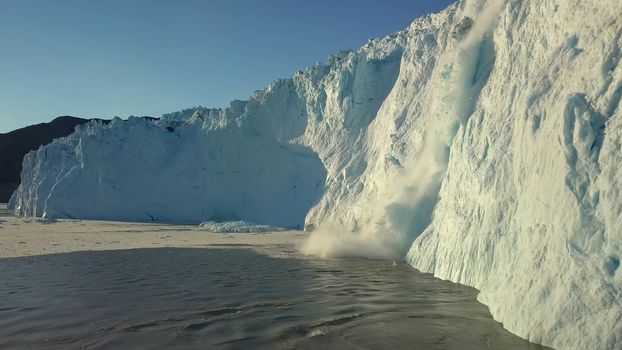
point(235, 299)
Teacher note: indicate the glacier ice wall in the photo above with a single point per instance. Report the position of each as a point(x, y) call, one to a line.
point(150, 171)
point(483, 143)
point(532, 194)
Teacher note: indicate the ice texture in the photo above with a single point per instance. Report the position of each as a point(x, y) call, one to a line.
point(483, 144)
point(238, 227)
point(141, 170)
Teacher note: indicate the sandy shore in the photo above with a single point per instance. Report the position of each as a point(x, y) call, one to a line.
point(34, 236)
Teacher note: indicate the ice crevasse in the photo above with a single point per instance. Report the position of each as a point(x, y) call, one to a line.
point(483, 144)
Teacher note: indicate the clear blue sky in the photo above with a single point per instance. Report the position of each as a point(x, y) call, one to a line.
point(104, 58)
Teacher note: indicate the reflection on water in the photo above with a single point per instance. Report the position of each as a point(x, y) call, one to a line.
point(235, 298)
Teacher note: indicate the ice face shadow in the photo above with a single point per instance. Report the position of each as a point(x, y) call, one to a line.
point(235, 298)
point(221, 175)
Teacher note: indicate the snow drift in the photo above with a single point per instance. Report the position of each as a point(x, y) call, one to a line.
point(483, 143)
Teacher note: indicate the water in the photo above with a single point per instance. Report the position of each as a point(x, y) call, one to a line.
point(235, 299)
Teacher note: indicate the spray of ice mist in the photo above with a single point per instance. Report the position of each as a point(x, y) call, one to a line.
point(404, 208)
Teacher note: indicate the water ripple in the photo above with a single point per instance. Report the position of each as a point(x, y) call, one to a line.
point(235, 298)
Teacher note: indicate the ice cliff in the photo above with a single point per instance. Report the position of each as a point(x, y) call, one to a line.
point(483, 143)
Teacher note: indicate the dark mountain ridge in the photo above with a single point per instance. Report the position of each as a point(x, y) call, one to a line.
point(15, 144)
